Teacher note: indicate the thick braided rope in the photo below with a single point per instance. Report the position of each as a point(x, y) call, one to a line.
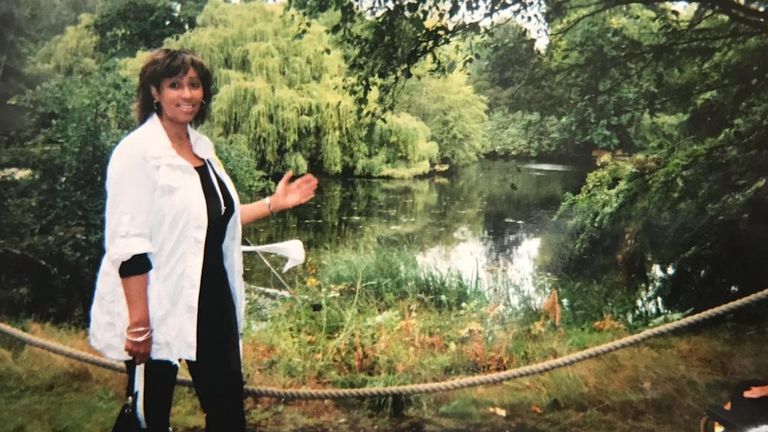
point(413, 389)
point(61, 349)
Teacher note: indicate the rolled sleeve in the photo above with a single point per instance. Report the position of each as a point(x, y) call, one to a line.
point(136, 265)
point(130, 197)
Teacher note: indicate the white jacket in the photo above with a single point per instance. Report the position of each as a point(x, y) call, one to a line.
point(155, 204)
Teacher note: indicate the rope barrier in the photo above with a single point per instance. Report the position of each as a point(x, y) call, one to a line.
point(413, 389)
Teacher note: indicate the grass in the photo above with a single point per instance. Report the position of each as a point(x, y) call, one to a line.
point(662, 385)
point(372, 318)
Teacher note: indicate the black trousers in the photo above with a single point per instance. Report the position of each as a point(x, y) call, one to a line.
point(219, 387)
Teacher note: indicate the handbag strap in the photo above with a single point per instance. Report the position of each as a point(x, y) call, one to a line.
point(138, 391)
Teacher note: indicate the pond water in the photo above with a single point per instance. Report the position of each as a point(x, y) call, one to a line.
point(484, 221)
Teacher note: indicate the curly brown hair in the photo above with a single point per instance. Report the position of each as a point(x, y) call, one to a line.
point(168, 63)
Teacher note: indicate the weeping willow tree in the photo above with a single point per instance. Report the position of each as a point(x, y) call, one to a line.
point(276, 88)
point(279, 102)
point(402, 146)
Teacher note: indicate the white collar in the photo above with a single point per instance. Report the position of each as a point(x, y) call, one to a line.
point(201, 145)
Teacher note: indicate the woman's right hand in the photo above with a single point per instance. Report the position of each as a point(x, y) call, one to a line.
point(139, 345)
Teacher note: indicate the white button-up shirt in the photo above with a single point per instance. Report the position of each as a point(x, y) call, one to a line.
point(155, 205)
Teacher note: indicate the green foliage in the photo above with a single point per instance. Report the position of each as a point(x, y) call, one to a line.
point(618, 78)
point(592, 300)
point(295, 116)
point(454, 113)
point(71, 53)
point(361, 312)
point(685, 210)
point(24, 26)
point(383, 43)
point(524, 100)
point(510, 72)
point(36, 21)
point(288, 78)
point(126, 26)
point(58, 210)
point(591, 88)
point(402, 148)
point(694, 201)
point(393, 275)
point(235, 154)
point(522, 134)
point(602, 64)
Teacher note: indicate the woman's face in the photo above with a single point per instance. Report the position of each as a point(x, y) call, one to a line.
point(180, 97)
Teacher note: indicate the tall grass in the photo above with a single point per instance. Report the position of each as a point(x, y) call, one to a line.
point(369, 317)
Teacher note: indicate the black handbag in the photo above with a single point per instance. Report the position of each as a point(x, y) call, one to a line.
point(126, 419)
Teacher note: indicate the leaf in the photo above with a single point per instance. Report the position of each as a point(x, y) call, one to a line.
point(607, 323)
point(551, 307)
point(501, 412)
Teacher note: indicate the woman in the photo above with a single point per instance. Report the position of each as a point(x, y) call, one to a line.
point(170, 285)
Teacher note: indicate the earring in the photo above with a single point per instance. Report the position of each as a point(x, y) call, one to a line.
point(156, 106)
point(203, 101)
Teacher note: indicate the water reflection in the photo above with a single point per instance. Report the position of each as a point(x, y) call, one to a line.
point(484, 221)
point(471, 260)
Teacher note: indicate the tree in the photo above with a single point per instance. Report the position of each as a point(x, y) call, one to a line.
point(684, 89)
point(25, 25)
point(56, 217)
point(288, 75)
point(401, 147)
point(510, 72)
point(127, 26)
point(52, 198)
point(693, 200)
point(452, 110)
point(523, 98)
point(384, 40)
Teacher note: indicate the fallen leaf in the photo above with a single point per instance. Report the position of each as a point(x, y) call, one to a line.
point(608, 323)
point(551, 307)
point(501, 412)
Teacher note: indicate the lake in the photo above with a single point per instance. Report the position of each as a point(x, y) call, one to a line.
point(484, 221)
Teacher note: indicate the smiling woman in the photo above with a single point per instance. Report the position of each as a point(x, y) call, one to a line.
point(170, 285)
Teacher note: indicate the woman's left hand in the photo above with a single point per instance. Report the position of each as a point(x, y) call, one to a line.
point(289, 194)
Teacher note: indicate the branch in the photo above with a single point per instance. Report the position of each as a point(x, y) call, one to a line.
point(582, 18)
point(738, 12)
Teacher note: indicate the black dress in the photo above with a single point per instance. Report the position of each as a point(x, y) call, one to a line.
point(217, 372)
point(217, 321)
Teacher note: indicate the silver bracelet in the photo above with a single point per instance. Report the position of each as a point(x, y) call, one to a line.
point(268, 200)
point(147, 334)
